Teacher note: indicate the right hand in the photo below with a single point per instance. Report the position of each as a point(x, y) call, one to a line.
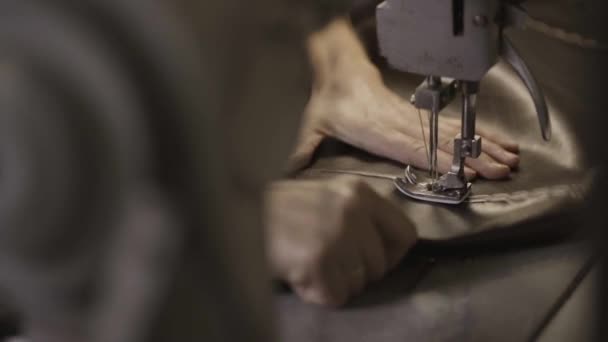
point(329, 239)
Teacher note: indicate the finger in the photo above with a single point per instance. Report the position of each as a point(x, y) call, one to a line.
point(397, 232)
point(445, 160)
point(498, 138)
point(485, 165)
point(303, 152)
point(486, 133)
point(412, 151)
point(496, 151)
point(488, 168)
point(499, 153)
point(325, 288)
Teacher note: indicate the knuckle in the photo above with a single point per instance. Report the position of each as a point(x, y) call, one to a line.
point(313, 258)
point(306, 268)
point(298, 277)
point(320, 296)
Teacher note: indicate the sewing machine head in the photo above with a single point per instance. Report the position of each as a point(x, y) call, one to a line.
point(454, 43)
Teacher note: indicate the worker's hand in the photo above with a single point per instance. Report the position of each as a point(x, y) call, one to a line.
point(351, 103)
point(329, 239)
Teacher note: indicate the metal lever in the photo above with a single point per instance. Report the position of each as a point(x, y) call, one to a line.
point(516, 16)
point(510, 54)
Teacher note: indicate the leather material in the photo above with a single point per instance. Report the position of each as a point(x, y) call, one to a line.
point(504, 103)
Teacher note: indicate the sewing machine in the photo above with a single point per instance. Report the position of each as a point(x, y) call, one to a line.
point(454, 44)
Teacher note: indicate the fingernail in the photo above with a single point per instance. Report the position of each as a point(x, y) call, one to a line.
point(470, 174)
point(499, 171)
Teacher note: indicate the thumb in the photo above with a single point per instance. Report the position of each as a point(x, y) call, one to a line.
point(303, 152)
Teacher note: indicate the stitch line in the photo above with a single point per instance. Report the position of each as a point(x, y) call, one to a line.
point(574, 190)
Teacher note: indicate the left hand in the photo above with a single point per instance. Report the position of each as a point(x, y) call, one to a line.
point(351, 103)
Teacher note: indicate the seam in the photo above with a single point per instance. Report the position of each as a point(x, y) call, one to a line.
point(573, 190)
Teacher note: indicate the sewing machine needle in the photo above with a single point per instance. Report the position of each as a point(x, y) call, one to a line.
point(426, 148)
point(434, 125)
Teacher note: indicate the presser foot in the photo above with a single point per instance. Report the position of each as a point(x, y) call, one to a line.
point(421, 188)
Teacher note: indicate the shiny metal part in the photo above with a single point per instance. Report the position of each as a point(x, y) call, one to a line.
point(434, 143)
point(425, 189)
point(435, 86)
point(433, 95)
point(452, 188)
point(466, 144)
point(512, 56)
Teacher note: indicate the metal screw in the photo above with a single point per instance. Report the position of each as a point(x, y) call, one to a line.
point(480, 20)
